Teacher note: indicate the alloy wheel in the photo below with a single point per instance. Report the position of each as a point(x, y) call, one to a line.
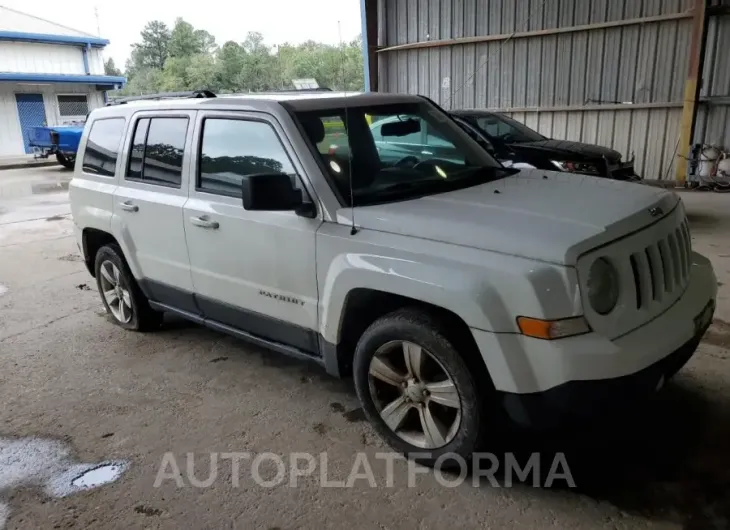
point(414, 394)
point(115, 292)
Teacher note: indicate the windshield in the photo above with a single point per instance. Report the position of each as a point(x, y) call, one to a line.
point(507, 130)
point(391, 152)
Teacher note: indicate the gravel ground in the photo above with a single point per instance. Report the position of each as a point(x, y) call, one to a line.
point(77, 391)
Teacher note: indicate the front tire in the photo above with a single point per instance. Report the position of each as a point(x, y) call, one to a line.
point(416, 389)
point(66, 161)
point(120, 293)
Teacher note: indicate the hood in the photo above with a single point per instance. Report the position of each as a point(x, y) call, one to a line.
point(553, 219)
point(565, 148)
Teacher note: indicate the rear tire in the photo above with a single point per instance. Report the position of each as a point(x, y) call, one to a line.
point(66, 161)
point(417, 390)
point(120, 292)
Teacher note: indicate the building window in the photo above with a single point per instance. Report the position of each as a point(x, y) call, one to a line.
point(156, 156)
point(232, 149)
point(77, 105)
point(102, 147)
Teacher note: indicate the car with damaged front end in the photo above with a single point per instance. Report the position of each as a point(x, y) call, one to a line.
point(451, 288)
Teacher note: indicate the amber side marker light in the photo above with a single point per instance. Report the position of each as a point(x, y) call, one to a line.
point(552, 329)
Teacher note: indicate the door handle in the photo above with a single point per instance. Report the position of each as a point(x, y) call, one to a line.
point(127, 206)
point(204, 222)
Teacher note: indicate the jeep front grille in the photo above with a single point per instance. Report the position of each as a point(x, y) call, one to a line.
point(662, 267)
point(653, 267)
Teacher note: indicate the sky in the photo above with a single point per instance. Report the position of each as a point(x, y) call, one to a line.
point(279, 21)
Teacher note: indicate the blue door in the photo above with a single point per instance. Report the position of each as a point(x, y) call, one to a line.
point(32, 113)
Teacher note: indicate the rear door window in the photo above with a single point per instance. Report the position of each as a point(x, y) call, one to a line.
point(156, 156)
point(102, 147)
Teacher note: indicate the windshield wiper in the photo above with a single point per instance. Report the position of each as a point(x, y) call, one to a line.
point(487, 173)
point(416, 188)
point(420, 185)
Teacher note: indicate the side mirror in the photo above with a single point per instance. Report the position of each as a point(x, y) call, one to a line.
point(270, 192)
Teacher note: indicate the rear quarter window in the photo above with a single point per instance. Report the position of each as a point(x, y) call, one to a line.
point(102, 147)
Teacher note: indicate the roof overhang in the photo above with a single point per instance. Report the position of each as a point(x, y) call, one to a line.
point(103, 82)
point(71, 40)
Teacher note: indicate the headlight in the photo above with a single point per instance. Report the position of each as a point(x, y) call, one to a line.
point(576, 167)
point(603, 286)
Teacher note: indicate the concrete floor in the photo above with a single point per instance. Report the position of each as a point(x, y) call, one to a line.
point(68, 375)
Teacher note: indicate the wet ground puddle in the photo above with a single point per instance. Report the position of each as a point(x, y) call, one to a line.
point(50, 466)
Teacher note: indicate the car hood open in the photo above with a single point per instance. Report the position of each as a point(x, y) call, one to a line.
point(543, 215)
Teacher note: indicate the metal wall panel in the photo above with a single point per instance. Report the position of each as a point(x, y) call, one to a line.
point(717, 129)
point(713, 122)
point(632, 64)
point(29, 57)
point(717, 72)
point(96, 61)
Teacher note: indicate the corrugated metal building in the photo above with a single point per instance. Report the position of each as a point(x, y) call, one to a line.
point(49, 75)
point(611, 72)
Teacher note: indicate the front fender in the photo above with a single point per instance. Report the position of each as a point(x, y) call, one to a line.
point(466, 295)
point(487, 290)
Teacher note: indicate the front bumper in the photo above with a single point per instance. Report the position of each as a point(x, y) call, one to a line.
point(584, 375)
point(579, 400)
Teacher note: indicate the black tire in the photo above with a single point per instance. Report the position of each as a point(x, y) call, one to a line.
point(66, 161)
point(143, 317)
point(416, 326)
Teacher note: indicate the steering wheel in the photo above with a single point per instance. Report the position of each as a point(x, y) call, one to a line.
point(410, 159)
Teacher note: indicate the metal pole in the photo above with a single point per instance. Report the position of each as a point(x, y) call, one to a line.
point(692, 88)
point(369, 30)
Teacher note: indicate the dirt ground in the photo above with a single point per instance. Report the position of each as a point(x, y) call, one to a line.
point(93, 393)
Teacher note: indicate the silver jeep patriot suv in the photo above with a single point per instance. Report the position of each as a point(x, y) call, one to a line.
point(450, 287)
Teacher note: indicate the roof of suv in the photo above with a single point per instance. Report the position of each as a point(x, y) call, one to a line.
point(265, 101)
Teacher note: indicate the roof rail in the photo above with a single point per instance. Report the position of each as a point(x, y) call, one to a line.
point(164, 95)
point(295, 90)
point(282, 91)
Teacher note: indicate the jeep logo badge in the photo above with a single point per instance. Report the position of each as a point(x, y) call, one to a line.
point(656, 211)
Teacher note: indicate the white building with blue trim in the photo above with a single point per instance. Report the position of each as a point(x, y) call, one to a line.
point(49, 75)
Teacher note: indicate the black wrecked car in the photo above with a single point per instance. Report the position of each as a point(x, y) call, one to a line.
point(513, 143)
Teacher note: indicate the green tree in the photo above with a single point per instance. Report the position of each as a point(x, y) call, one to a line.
point(187, 58)
point(174, 76)
point(183, 41)
point(259, 68)
point(201, 73)
point(144, 81)
point(110, 68)
point(206, 42)
point(229, 65)
point(152, 51)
